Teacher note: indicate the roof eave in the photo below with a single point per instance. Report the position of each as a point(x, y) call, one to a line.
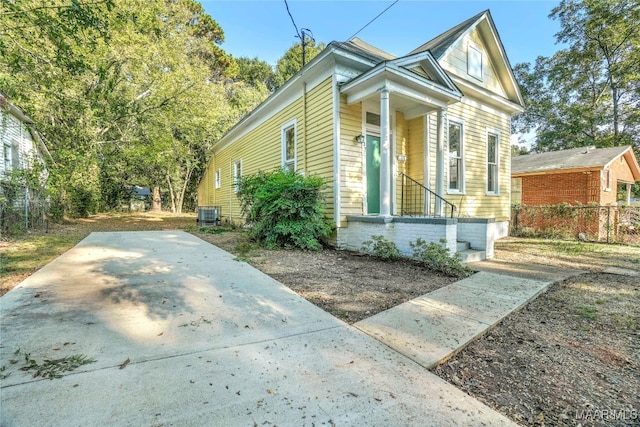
point(333, 49)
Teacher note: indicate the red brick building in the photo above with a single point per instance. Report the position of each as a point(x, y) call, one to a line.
point(579, 176)
point(584, 175)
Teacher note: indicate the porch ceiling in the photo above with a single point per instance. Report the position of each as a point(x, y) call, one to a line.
point(410, 93)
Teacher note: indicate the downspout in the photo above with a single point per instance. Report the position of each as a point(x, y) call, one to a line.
point(304, 118)
point(336, 152)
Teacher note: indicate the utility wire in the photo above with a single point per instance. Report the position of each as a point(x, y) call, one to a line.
point(368, 23)
point(292, 21)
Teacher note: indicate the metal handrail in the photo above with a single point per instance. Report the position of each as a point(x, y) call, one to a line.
point(419, 201)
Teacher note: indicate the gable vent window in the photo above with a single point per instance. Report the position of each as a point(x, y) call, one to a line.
point(474, 62)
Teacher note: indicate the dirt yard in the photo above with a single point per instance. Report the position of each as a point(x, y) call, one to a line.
point(571, 357)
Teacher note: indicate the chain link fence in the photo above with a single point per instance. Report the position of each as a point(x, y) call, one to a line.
point(28, 215)
point(611, 224)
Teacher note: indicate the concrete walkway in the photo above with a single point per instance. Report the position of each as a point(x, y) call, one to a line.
point(182, 334)
point(434, 327)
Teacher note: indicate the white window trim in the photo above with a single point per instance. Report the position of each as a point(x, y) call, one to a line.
point(472, 49)
point(283, 139)
point(218, 178)
point(237, 167)
point(495, 132)
point(462, 150)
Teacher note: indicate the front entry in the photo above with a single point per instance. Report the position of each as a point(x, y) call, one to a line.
point(373, 174)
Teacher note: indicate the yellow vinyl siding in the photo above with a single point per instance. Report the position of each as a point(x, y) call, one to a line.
point(415, 150)
point(351, 155)
point(475, 202)
point(261, 150)
point(319, 149)
point(206, 186)
point(456, 63)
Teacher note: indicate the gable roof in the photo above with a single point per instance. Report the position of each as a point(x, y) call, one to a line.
point(362, 48)
point(441, 45)
point(366, 60)
point(582, 158)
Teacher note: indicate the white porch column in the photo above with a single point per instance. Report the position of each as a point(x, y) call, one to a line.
point(629, 194)
point(385, 155)
point(440, 160)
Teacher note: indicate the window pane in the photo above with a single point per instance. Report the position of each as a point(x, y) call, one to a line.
point(491, 179)
point(373, 119)
point(491, 148)
point(455, 157)
point(454, 140)
point(454, 173)
point(290, 143)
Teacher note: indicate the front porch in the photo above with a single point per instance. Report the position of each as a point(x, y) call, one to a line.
point(471, 238)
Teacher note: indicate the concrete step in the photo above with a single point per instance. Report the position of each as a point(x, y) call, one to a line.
point(462, 246)
point(472, 255)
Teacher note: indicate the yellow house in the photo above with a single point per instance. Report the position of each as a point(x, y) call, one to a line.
point(412, 146)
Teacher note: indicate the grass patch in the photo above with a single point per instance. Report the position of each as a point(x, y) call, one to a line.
point(588, 312)
point(29, 253)
point(573, 248)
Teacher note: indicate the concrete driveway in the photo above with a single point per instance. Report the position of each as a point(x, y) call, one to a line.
point(182, 334)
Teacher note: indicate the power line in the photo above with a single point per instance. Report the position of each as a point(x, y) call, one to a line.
point(368, 23)
point(292, 20)
point(301, 35)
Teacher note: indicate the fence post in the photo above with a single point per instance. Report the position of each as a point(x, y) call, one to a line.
point(608, 223)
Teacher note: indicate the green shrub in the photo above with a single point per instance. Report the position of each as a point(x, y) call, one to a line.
point(284, 209)
point(380, 247)
point(436, 257)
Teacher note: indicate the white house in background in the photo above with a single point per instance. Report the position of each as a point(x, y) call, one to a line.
point(20, 145)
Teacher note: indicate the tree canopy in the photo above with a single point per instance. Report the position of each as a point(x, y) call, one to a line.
point(589, 92)
point(128, 92)
point(124, 92)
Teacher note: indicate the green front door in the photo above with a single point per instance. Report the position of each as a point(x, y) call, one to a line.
point(373, 174)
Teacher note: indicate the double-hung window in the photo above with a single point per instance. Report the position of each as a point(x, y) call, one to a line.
point(7, 157)
point(288, 136)
point(493, 155)
point(237, 174)
point(218, 178)
point(456, 157)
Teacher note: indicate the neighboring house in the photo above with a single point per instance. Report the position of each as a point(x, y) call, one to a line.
point(579, 176)
point(411, 146)
point(20, 146)
point(586, 177)
point(139, 198)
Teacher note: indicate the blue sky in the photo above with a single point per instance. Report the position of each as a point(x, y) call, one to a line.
point(263, 28)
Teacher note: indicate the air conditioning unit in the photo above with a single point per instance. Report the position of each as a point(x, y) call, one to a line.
point(209, 215)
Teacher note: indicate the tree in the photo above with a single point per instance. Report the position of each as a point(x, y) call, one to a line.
point(255, 72)
point(125, 92)
point(291, 61)
point(588, 93)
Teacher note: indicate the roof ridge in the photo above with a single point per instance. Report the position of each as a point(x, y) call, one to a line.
point(439, 44)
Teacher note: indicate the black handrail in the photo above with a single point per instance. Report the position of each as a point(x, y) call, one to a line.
point(418, 201)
